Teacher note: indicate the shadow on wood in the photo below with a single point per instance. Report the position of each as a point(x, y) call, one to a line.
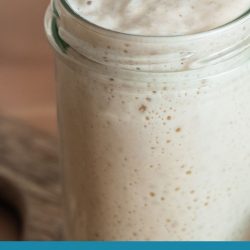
point(30, 180)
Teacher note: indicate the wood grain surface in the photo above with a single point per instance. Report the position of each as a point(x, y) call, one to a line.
point(30, 180)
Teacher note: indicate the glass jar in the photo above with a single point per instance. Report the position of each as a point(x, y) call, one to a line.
point(154, 131)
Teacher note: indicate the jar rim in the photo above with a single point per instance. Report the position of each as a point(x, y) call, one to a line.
point(64, 50)
point(221, 28)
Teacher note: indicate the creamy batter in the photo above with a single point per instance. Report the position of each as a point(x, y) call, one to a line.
point(160, 17)
point(156, 134)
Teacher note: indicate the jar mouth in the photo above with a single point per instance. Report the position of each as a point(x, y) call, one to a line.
point(228, 25)
point(223, 47)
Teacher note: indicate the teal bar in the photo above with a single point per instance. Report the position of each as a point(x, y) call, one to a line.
point(124, 245)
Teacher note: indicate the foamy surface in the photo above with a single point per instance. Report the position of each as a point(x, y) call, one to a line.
point(160, 17)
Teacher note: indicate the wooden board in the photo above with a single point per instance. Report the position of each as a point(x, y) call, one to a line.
point(30, 179)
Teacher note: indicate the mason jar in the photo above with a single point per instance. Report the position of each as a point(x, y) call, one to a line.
point(155, 131)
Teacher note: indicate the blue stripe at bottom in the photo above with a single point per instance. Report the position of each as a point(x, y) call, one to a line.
point(124, 245)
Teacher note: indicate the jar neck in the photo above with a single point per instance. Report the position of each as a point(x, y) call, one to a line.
point(226, 45)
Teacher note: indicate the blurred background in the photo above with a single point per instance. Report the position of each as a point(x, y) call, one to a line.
point(26, 65)
point(27, 88)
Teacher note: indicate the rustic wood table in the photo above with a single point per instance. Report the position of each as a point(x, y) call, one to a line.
point(30, 183)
